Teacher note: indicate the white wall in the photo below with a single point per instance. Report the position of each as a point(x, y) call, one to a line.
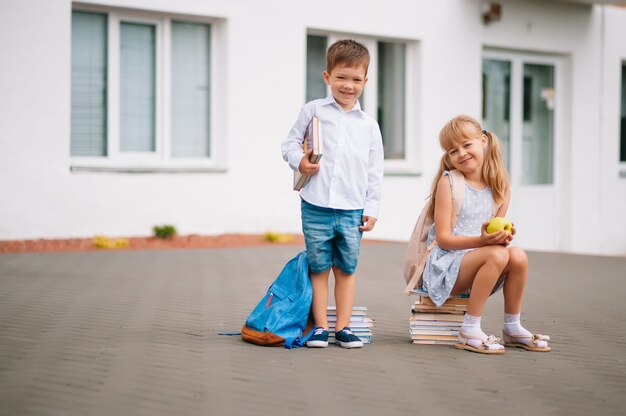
point(590, 40)
point(612, 187)
point(262, 80)
point(571, 31)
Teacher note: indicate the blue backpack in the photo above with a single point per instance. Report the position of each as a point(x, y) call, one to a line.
point(282, 316)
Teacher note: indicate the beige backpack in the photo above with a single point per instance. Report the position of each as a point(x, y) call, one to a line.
point(417, 251)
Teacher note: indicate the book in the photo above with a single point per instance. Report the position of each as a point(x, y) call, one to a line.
point(425, 300)
point(313, 139)
point(358, 332)
point(436, 317)
point(435, 337)
point(354, 325)
point(354, 313)
point(433, 342)
point(434, 309)
point(360, 324)
point(353, 318)
point(427, 326)
point(430, 324)
point(413, 331)
point(422, 292)
point(354, 308)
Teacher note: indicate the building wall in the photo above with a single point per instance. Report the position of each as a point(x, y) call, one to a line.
point(261, 89)
point(611, 180)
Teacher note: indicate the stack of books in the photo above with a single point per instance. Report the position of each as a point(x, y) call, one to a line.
point(360, 324)
point(432, 325)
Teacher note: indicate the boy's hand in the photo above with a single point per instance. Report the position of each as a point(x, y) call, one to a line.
point(368, 223)
point(306, 167)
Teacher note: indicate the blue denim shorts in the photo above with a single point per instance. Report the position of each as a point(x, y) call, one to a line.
point(332, 237)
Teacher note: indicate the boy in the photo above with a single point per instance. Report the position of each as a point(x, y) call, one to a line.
point(342, 198)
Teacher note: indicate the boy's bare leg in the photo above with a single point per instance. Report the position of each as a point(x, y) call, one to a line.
point(517, 272)
point(480, 270)
point(344, 297)
point(319, 282)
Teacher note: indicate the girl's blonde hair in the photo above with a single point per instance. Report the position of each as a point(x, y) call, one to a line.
point(494, 173)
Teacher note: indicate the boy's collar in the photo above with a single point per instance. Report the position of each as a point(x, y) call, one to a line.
point(331, 100)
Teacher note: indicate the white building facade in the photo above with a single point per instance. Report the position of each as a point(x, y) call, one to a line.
point(117, 115)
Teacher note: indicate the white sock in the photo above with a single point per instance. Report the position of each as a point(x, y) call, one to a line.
point(513, 326)
point(471, 327)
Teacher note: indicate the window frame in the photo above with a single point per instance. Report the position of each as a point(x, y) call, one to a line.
point(160, 160)
point(622, 99)
point(410, 165)
point(517, 60)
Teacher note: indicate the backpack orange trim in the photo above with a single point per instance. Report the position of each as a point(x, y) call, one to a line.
point(266, 339)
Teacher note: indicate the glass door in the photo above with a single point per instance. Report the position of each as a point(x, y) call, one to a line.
point(519, 106)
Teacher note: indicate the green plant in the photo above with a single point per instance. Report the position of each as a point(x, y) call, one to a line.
point(164, 231)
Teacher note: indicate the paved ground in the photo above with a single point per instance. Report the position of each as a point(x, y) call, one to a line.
point(136, 332)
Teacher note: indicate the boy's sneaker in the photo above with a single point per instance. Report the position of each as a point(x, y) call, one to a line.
point(346, 339)
point(319, 339)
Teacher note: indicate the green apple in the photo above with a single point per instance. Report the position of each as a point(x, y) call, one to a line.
point(499, 223)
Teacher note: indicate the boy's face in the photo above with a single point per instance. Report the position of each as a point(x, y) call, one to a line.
point(346, 84)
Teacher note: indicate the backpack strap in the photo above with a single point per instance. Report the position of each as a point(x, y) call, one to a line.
point(457, 186)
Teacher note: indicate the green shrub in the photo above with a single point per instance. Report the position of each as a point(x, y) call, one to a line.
point(164, 231)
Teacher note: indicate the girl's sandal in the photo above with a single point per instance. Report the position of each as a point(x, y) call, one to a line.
point(511, 340)
point(483, 348)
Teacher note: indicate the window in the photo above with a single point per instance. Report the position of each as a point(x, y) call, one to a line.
point(315, 65)
point(385, 96)
point(141, 89)
point(89, 84)
point(391, 90)
point(137, 87)
point(528, 149)
point(538, 126)
point(622, 153)
point(496, 99)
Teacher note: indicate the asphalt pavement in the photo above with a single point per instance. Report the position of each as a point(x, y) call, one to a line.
point(138, 333)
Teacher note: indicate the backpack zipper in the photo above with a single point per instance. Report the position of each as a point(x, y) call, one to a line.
point(269, 300)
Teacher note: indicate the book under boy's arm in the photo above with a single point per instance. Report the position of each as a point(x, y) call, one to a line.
point(291, 147)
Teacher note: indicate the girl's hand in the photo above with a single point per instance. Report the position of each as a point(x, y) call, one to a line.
point(508, 241)
point(306, 167)
point(498, 238)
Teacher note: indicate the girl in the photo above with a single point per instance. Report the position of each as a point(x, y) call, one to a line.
point(466, 256)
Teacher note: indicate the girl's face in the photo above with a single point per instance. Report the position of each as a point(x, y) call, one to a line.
point(468, 154)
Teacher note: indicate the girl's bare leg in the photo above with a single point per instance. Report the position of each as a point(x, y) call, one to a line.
point(517, 272)
point(480, 270)
point(344, 297)
point(319, 282)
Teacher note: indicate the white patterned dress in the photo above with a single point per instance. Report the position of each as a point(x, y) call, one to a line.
point(442, 267)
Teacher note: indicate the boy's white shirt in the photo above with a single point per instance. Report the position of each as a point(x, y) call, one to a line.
point(351, 168)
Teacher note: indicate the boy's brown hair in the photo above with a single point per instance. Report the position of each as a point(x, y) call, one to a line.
point(347, 52)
